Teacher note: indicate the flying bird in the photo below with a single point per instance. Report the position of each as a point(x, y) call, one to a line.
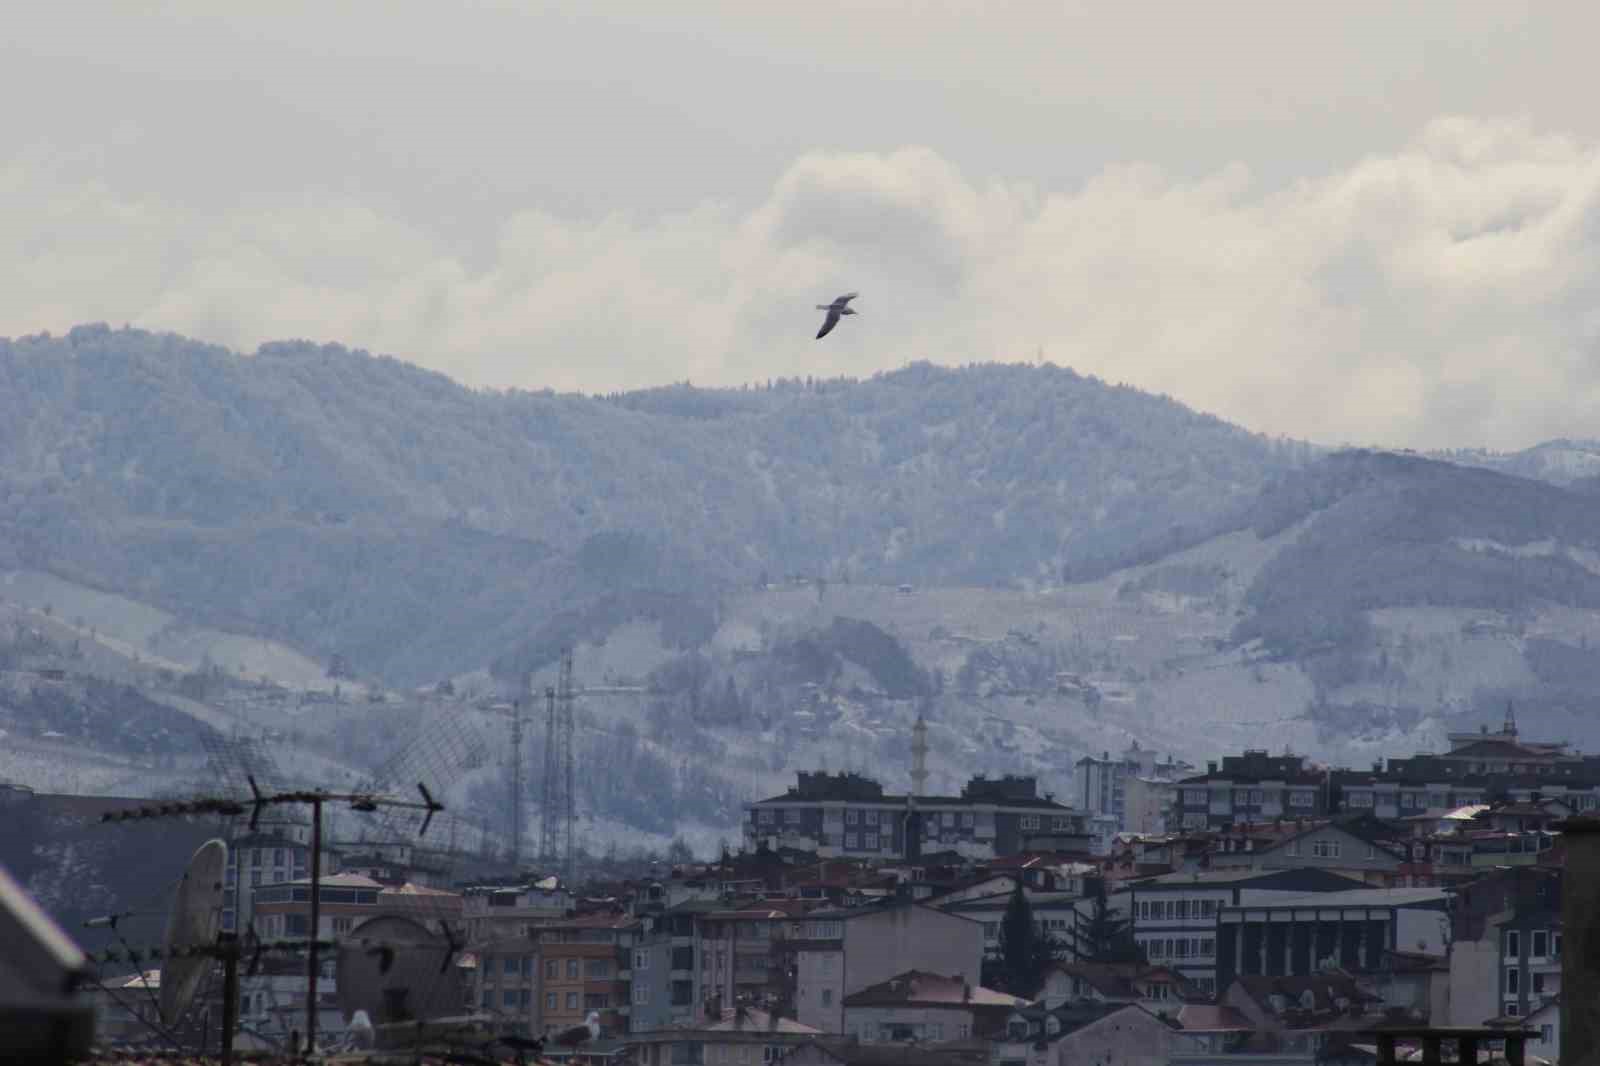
point(841, 306)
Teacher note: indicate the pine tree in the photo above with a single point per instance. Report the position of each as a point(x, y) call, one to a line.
point(1104, 937)
point(1025, 953)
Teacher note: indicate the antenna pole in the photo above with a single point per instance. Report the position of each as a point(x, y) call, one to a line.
point(316, 923)
point(569, 804)
point(230, 993)
point(516, 781)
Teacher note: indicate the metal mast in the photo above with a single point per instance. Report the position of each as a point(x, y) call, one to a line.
point(568, 810)
point(558, 807)
point(516, 783)
point(547, 783)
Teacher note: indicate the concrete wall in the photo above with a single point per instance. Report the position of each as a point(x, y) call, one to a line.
point(1128, 1038)
point(910, 938)
point(1474, 979)
point(865, 1022)
point(879, 946)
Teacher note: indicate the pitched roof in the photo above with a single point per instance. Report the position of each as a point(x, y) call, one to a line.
point(752, 1020)
point(1360, 897)
point(915, 987)
point(850, 1052)
point(1116, 979)
point(1211, 1018)
point(1326, 989)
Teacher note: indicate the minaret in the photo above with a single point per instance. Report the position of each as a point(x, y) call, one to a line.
point(911, 841)
point(919, 757)
point(1510, 728)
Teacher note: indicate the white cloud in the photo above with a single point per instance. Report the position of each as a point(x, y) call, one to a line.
point(1444, 294)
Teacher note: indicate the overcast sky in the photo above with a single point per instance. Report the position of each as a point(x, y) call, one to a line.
point(1369, 223)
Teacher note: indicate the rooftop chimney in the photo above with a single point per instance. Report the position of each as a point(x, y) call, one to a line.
point(1580, 919)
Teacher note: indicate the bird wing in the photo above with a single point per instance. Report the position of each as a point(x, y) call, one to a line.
point(846, 298)
point(828, 324)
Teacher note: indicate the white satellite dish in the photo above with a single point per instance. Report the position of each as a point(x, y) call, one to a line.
point(194, 923)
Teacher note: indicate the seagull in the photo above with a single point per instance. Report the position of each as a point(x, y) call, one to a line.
point(578, 1034)
point(841, 306)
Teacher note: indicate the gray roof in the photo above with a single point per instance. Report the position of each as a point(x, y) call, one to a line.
point(1359, 897)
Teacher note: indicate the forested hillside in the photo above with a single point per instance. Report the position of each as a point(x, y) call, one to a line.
point(356, 505)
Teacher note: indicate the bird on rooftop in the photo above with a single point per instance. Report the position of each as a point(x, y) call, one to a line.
point(578, 1034)
point(841, 306)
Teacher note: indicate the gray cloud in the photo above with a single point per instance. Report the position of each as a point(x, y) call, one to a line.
point(531, 194)
point(1441, 295)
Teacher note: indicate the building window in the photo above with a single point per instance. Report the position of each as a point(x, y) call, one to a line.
point(1302, 798)
point(1538, 984)
point(1555, 945)
point(641, 959)
point(1326, 849)
point(872, 818)
point(872, 842)
point(791, 815)
point(1511, 1009)
point(1513, 981)
point(572, 969)
point(852, 817)
point(850, 840)
point(342, 925)
point(508, 998)
point(1539, 944)
point(1029, 821)
point(967, 820)
point(597, 969)
point(827, 997)
point(549, 1001)
point(764, 816)
point(1513, 944)
point(512, 966)
point(641, 994)
point(948, 818)
point(1359, 799)
point(1546, 1034)
point(552, 970)
point(572, 1001)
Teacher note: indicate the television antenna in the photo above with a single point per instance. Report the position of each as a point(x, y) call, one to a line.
point(255, 804)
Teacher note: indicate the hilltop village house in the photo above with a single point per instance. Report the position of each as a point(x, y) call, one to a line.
point(849, 815)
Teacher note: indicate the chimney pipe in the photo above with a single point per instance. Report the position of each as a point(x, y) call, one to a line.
point(1580, 920)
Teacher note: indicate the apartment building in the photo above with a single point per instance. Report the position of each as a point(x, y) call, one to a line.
point(1175, 915)
point(847, 814)
point(1253, 787)
point(587, 966)
point(1354, 930)
point(1126, 794)
point(844, 950)
point(496, 911)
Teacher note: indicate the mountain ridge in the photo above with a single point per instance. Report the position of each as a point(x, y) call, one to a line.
point(301, 451)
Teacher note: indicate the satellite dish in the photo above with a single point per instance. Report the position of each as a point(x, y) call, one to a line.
point(195, 920)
